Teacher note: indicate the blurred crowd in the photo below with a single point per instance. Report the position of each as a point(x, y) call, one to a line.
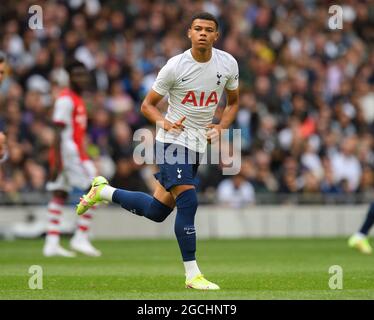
point(306, 106)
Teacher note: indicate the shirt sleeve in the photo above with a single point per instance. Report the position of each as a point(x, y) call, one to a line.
point(233, 81)
point(165, 79)
point(63, 109)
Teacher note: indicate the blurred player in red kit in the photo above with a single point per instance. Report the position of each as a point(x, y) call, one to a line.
point(69, 164)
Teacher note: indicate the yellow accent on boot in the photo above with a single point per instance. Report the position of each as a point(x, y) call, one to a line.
point(200, 283)
point(361, 244)
point(93, 196)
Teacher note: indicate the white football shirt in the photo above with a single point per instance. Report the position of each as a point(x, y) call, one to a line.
point(194, 90)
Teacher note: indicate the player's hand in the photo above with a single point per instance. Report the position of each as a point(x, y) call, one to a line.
point(213, 133)
point(176, 127)
point(2, 144)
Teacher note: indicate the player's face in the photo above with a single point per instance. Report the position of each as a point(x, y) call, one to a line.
point(80, 78)
point(203, 33)
point(2, 71)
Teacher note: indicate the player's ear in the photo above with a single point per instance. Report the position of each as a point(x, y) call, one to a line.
point(189, 33)
point(217, 36)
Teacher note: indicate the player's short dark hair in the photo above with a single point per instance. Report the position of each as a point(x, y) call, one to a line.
point(73, 64)
point(205, 16)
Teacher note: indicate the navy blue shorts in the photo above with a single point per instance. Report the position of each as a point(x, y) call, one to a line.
point(178, 165)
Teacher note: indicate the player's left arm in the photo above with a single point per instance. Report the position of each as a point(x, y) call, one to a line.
point(228, 116)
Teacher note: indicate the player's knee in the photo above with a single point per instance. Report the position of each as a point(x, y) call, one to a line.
point(187, 199)
point(186, 210)
point(160, 219)
point(158, 211)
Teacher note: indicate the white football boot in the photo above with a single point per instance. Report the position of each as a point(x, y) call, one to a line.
point(80, 243)
point(53, 249)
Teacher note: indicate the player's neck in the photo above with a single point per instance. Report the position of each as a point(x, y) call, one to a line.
point(201, 55)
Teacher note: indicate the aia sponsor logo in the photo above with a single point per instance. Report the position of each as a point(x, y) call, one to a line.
point(200, 100)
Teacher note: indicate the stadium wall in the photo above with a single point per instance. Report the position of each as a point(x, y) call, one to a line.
point(211, 221)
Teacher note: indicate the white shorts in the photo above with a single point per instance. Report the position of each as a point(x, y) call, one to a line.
point(76, 173)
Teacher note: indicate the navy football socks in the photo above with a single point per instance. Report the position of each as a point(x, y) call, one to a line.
point(184, 227)
point(369, 221)
point(142, 204)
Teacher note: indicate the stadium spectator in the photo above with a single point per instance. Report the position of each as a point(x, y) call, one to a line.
point(235, 192)
point(345, 165)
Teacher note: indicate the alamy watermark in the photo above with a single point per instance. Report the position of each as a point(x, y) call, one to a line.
point(224, 152)
point(336, 20)
point(36, 280)
point(36, 18)
point(336, 280)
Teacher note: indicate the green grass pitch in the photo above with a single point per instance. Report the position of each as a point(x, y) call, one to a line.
point(151, 269)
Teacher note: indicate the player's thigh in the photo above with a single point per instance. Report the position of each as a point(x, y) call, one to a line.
point(164, 196)
point(178, 189)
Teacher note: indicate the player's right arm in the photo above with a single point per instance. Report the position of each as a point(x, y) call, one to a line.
point(163, 84)
point(152, 113)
